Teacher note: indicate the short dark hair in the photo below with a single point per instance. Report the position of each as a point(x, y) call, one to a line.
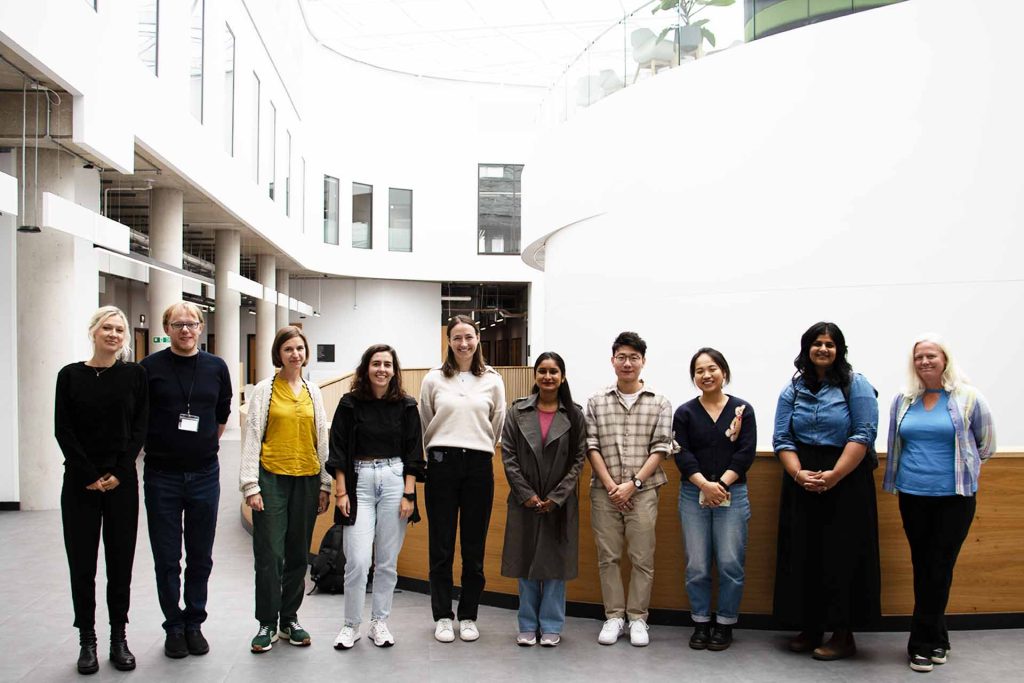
point(715, 356)
point(451, 367)
point(361, 381)
point(284, 334)
point(839, 374)
point(631, 339)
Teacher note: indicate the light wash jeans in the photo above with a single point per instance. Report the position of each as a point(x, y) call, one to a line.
point(377, 534)
point(718, 534)
point(541, 605)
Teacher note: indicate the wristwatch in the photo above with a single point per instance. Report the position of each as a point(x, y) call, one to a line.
point(637, 483)
point(409, 496)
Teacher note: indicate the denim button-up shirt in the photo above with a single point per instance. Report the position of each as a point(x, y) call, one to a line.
point(824, 418)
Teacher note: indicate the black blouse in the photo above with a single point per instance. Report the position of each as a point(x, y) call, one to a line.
point(705, 448)
point(100, 419)
point(364, 428)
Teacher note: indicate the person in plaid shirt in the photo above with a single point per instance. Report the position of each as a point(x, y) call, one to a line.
point(629, 433)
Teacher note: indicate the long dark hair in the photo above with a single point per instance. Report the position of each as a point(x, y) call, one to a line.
point(451, 367)
point(361, 382)
point(564, 395)
point(839, 374)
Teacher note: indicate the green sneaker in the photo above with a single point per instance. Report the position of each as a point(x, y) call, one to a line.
point(264, 639)
point(295, 634)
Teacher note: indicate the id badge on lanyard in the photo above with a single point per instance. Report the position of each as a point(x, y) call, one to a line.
point(188, 423)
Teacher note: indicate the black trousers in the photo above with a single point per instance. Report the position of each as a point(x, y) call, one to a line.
point(85, 514)
point(459, 492)
point(936, 527)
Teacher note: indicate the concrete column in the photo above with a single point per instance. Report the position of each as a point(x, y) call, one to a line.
point(226, 323)
point(9, 489)
point(283, 314)
point(166, 212)
point(266, 316)
point(57, 292)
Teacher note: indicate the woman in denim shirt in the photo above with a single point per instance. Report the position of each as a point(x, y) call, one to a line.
point(827, 566)
point(940, 431)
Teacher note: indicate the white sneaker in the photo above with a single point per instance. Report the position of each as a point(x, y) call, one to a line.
point(347, 637)
point(638, 633)
point(443, 632)
point(468, 630)
point(526, 639)
point(611, 631)
point(379, 634)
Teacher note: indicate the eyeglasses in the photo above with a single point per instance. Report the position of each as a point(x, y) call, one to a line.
point(177, 327)
point(632, 358)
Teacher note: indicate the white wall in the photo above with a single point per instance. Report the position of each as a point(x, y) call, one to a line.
point(858, 170)
point(358, 313)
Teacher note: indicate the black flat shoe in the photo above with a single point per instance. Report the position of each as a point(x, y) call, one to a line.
point(721, 638)
point(701, 636)
point(196, 642)
point(88, 663)
point(174, 645)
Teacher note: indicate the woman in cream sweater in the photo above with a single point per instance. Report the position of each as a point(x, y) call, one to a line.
point(462, 408)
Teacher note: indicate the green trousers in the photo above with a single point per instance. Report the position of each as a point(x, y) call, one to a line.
point(281, 534)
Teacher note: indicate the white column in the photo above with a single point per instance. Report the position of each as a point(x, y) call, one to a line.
point(226, 322)
point(283, 314)
point(9, 490)
point(166, 211)
point(57, 292)
point(266, 316)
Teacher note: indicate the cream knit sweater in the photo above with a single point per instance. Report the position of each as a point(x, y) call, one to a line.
point(462, 412)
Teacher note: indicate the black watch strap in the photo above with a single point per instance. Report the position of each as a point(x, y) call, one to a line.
point(409, 496)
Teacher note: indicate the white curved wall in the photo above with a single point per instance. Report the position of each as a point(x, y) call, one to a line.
point(863, 170)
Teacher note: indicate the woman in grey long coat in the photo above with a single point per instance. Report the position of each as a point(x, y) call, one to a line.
point(543, 444)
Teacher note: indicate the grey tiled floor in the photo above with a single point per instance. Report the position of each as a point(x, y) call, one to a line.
point(41, 645)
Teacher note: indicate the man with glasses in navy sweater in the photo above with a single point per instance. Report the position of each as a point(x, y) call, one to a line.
point(190, 400)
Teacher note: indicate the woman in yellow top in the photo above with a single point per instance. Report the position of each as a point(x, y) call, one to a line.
point(283, 479)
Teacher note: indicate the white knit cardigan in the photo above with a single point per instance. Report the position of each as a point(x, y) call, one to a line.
point(256, 428)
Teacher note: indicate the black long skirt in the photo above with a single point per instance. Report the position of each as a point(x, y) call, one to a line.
point(827, 568)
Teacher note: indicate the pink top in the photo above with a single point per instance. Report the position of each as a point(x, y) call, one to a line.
point(545, 424)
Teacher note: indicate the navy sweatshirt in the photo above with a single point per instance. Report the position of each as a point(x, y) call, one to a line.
point(170, 378)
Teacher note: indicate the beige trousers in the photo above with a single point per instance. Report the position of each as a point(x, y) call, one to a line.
point(633, 530)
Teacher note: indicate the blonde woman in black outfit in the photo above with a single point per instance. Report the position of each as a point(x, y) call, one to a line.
point(100, 423)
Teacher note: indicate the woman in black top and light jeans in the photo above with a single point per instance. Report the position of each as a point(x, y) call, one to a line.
point(100, 423)
point(376, 458)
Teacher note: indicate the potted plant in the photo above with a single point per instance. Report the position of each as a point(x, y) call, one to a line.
point(690, 33)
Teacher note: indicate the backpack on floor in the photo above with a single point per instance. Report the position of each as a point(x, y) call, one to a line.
point(327, 569)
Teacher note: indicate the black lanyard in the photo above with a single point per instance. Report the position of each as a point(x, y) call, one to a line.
point(188, 396)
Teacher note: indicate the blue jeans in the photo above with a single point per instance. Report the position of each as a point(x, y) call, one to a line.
point(172, 497)
point(376, 536)
point(541, 605)
point(718, 534)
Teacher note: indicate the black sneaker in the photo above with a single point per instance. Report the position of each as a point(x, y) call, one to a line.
point(921, 663)
point(721, 638)
point(701, 636)
point(175, 646)
point(196, 642)
point(939, 655)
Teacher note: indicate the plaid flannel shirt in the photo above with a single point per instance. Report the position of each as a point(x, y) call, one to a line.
point(626, 437)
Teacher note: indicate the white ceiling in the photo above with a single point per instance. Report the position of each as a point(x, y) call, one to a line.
point(524, 42)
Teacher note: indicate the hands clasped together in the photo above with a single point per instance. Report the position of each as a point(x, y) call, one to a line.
point(816, 482)
point(539, 506)
point(108, 482)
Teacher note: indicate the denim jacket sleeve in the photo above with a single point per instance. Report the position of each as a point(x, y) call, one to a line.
point(863, 411)
point(783, 439)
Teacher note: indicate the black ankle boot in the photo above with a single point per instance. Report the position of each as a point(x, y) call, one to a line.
point(120, 655)
point(87, 662)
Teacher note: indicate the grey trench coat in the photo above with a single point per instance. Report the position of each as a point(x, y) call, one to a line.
point(542, 546)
